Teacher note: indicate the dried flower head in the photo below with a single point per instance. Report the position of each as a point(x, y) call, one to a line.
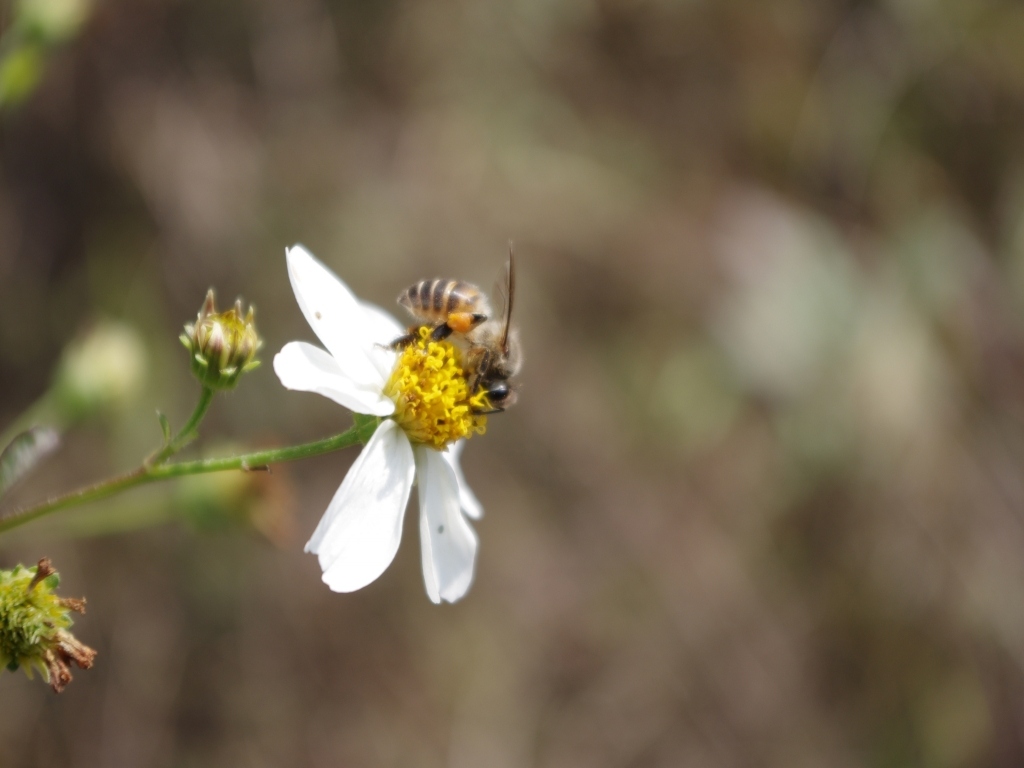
point(223, 345)
point(34, 624)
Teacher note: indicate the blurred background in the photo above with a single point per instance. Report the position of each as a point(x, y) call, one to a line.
point(761, 502)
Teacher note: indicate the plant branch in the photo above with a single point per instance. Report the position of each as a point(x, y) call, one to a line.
point(187, 434)
point(151, 472)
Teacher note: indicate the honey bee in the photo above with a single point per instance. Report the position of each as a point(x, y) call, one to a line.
point(461, 311)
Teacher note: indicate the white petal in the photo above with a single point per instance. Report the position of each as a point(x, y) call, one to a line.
point(359, 534)
point(336, 316)
point(382, 326)
point(447, 540)
point(384, 329)
point(467, 499)
point(306, 368)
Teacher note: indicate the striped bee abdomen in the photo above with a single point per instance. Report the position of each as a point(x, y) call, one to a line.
point(434, 300)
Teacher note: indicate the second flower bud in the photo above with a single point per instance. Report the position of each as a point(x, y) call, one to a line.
point(223, 345)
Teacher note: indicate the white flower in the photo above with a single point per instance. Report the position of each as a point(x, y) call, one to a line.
point(358, 536)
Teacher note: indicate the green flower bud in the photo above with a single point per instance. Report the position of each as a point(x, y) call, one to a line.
point(260, 500)
point(53, 21)
point(34, 625)
point(223, 345)
point(104, 368)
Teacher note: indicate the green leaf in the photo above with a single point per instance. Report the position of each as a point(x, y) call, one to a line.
point(25, 451)
point(165, 427)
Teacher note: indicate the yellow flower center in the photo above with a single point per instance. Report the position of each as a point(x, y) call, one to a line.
point(433, 403)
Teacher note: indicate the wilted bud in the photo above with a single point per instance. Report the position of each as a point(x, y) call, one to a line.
point(223, 345)
point(104, 368)
point(258, 499)
point(34, 625)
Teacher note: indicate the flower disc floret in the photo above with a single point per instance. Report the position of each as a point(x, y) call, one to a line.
point(433, 403)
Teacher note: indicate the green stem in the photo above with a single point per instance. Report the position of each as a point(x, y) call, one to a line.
point(151, 473)
point(187, 433)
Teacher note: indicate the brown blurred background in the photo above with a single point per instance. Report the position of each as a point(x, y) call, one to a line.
point(762, 500)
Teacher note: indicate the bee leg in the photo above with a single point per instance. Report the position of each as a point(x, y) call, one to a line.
point(479, 368)
point(440, 332)
point(404, 341)
point(488, 411)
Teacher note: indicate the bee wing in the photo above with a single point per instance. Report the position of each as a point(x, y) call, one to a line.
point(405, 298)
point(509, 295)
point(499, 292)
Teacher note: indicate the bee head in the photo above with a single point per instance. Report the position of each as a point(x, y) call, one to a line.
point(500, 394)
